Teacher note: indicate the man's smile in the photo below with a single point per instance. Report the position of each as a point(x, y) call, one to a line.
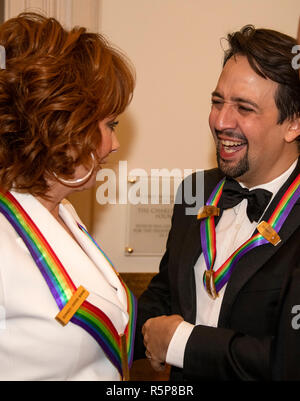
point(230, 145)
point(228, 149)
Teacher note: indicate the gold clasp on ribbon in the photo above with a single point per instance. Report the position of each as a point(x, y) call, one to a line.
point(208, 211)
point(268, 232)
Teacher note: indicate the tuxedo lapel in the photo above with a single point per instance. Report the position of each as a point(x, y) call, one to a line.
point(257, 257)
point(186, 278)
point(192, 250)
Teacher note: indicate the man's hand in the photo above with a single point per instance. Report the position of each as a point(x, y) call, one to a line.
point(158, 333)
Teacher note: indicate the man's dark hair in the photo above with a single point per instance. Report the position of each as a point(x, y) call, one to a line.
point(269, 53)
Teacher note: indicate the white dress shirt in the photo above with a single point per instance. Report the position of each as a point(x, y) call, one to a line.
point(233, 229)
point(33, 345)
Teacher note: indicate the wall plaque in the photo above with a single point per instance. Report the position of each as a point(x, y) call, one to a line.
point(149, 221)
point(147, 229)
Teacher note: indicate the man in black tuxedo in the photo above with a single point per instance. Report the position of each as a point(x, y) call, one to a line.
point(250, 330)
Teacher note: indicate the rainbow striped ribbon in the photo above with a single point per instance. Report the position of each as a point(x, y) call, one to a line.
point(208, 231)
point(88, 316)
point(131, 302)
point(208, 235)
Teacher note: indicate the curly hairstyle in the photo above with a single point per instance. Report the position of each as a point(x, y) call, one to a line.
point(269, 53)
point(56, 87)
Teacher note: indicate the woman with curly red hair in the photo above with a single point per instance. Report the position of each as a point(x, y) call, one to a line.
point(60, 95)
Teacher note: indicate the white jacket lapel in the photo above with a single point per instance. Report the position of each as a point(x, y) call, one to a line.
point(83, 268)
point(70, 217)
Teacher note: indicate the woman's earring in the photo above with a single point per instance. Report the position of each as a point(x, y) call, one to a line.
point(78, 181)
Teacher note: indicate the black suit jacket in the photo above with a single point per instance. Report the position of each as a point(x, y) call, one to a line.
point(255, 338)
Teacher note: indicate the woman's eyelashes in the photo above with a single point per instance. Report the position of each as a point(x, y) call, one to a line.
point(112, 125)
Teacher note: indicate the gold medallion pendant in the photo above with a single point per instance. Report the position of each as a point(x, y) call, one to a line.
point(209, 281)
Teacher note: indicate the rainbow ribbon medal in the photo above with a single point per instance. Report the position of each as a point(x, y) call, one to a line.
point(215, 280)
point(118, 348)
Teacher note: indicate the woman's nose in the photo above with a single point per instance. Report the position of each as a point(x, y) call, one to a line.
point(115, 143)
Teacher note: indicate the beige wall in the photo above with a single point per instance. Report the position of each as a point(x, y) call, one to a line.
point(175, 47)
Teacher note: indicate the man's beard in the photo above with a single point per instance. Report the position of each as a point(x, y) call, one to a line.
point(236, 170)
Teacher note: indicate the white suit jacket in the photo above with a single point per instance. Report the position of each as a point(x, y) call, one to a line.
point(33, 345)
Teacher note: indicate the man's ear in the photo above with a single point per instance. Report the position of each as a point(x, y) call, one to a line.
point(293, 130)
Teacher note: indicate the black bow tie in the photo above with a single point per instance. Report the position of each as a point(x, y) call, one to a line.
point(233, 194)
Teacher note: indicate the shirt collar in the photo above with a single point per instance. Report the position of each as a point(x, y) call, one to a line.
point(274, 185)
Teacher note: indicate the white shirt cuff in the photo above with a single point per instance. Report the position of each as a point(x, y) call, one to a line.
point(175, 353)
